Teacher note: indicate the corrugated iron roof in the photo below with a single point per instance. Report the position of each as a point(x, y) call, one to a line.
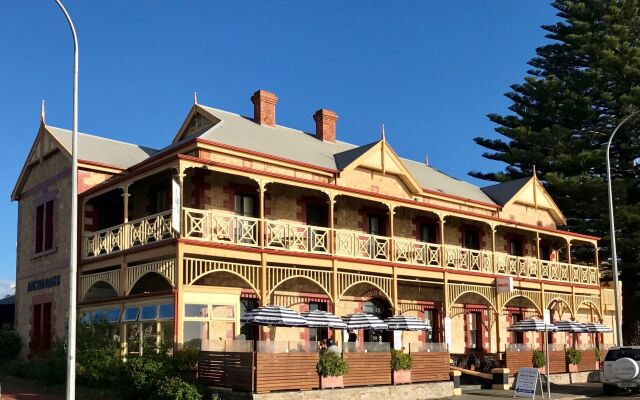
point(501, 193)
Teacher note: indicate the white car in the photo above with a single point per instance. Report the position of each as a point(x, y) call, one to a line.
point(621, 370)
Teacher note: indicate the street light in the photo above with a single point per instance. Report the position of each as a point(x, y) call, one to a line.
point(73, 251)
point(614, 255)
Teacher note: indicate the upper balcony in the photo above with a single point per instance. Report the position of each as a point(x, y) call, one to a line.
point(304, 221)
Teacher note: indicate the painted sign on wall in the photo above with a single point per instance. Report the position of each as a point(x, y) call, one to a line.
point(43, 283)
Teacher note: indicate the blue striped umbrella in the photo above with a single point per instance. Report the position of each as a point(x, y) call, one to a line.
point(323, 319)
point(406, 323)
point(273, 316)
point(364, 321)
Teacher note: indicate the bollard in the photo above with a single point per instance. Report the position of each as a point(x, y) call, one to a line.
point(455, 378)
point(500, 378)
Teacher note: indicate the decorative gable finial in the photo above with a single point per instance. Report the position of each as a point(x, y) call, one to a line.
point(42, 111)
point(382, 137)
point(382, 151)
point(535, 189)
point(195, 97)
point(535, 175)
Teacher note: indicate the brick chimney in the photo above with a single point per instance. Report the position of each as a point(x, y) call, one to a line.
point(325, 125)
point(264, 107)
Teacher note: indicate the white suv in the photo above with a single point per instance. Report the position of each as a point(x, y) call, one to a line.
point(621, 369)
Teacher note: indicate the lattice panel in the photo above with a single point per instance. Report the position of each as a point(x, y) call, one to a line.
point(458, 289)
point(197, 268)
point(534, 296)
point(165, 268)
point(110, 277)
point(278, 275)
point(588, 300)
point(347, 280)
point(563, 298)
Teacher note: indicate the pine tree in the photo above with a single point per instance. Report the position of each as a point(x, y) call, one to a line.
point(579, 87)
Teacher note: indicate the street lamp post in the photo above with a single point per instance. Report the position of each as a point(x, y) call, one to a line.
point(614, 255)
point(73, 251)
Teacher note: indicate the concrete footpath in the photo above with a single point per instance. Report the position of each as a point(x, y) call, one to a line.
point(561, 392)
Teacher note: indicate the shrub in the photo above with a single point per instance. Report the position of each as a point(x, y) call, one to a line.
point(49, 368)
point(331, 364)
point(141, 374)
point(400, 360)
point(175, 388)
point(598, 354)
point(98, 363)
point(538, 359)
point(573, 356)
point(9, 345)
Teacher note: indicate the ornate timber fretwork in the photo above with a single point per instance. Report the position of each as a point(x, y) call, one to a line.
point(165, 268)
point(588, 300)
point(533, 296)
point(110, 277)
point(196, 268)
point(562, 302)
point(347, 280)
point(277, 275)
point(409, 306)
point(286, 300)
point(456, 290)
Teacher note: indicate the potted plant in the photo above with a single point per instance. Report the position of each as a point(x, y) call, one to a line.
point(598, 353)
point(331, 367)
point(539, 361)
point(401, 364)
point(573, 357)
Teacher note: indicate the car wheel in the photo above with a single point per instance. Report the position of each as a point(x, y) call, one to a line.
point(609, 390)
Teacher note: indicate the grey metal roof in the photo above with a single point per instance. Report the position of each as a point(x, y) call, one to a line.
point(8, 300)
point(102, 150)
point(243, 132)
point(501, 193)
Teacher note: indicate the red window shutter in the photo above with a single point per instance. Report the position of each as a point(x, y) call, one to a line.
point(36, 332)
point(39, 227)
point(46, 326)
point(48, 226)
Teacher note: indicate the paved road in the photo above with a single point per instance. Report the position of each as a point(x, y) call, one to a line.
point(560, 392)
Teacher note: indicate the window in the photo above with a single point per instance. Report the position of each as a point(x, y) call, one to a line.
point(196, 310)
point(250, 332)
point(374, 307)
point(471, 239)
point(161, 200)
point(474, 330)
point(316, 215)
point(165, 311)
point(130, 314)
point(374, 225)
point(148, 313)
point(432, 317)
point(44, 227)
point(545, 252)
point(516, 247)
point(245, 205)
point(518, 337)
point(428, 233)
point(318, 334)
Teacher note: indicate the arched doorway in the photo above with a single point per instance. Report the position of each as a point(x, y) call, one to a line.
point(381, 309)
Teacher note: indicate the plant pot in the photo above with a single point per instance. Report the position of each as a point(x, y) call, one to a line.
point(400, 377)
point(573, 368)
point(331, 382)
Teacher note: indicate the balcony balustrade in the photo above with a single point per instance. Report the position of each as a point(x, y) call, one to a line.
point(153, 228)
point(227, 228)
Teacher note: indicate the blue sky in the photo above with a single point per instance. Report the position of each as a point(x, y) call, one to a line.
point(430, 71)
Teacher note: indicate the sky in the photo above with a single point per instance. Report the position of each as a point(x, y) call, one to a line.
point(430, 71)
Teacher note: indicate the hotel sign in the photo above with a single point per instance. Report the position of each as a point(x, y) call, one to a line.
point(175, 205)
point(504, 284)
point(43, 283)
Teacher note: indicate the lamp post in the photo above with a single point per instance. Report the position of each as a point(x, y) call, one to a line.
point(614, 255)
point(73, 240)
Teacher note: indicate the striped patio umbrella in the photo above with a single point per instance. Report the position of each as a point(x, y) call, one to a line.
point(406, 323)
point(273, 316)
point(570, 326)
point(596, 327)
point(532, 325)
point(323, 319)
point(364, 321)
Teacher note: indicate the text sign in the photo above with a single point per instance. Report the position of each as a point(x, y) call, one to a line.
point(447, 332)
point(526, 382)
point(43, 283)
point(175, 205)
point(504, 284)
point(547, 316)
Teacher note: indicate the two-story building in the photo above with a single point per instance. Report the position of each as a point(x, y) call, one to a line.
point(238, 212)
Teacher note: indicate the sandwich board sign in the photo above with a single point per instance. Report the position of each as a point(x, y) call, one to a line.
point(526, 383)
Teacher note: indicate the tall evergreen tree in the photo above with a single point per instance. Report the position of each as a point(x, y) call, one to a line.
point(580, 85)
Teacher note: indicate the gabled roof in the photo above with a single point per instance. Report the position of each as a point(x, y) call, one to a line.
point(91, 149)
point(527, 191)
point(296, 145)
point(502, 192)
point(9, 300)
point(101, 150)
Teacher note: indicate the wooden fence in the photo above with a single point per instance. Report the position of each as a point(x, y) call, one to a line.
point(557, 362)
point(286, 371)
point(368, 369)
point(588, 362)
point(227, 369)
point(430, 367)
point(517, 360)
